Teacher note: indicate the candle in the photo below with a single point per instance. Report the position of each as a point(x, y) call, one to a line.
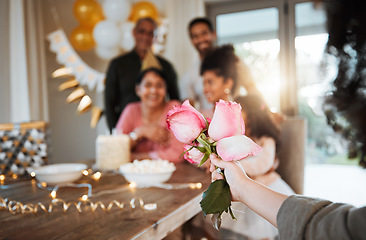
point(112, 151)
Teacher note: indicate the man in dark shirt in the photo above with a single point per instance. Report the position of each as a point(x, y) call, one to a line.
point(123, 71)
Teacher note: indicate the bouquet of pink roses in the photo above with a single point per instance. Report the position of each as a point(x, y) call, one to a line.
point(223, 136)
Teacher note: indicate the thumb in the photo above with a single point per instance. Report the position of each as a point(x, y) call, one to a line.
point(217, 161)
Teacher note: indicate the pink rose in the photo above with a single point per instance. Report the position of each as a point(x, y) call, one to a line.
point(236, 148)
point(227, 121)
point(185, 122)
point(194, 155)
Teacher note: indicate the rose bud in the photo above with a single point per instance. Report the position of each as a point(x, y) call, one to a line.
point(186, 122)
point(227, 121)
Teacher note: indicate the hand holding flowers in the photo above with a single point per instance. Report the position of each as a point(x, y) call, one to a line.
point(223, 136)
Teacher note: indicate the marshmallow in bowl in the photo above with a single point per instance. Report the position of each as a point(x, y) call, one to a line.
point(149, 166)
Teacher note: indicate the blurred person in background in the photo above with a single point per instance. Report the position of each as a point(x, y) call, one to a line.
point(203, 38)
point(145, 121)
point(123, 71)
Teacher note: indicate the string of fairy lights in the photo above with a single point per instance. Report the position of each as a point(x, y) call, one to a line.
point(83, 203)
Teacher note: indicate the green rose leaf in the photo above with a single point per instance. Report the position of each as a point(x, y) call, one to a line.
point(204, 159)
point(201, 149)
point(185, 152)
point(217, 198)
point(231, 213)
point(204, 143)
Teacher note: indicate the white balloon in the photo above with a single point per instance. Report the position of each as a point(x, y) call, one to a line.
point(127, 40)
point(106, 53)
point(116, 10)
point(106, 34)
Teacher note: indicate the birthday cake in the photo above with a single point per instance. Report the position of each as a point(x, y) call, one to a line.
point(112, 151)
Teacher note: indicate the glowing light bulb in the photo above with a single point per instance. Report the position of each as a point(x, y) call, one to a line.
point(97, 175)
point(53, 194)
point(14, 176)
point(84, 197)
point(86, 172)
point(33, 174)
point(132, 185)
point(150, 206)
point(195, 185)
point(2, 177)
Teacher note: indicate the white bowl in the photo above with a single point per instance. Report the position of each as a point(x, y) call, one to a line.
point(159, 173)
point(147, 178)
point(59, 173)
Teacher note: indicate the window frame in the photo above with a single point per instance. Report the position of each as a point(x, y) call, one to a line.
point(286, 36)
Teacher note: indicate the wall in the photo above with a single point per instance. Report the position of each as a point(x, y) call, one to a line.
point(71, 137)
point(4, 62)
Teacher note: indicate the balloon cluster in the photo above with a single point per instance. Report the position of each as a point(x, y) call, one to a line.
point(88, 13)
point(112, 34)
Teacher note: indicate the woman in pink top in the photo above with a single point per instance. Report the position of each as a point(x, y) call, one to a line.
point(145, 121)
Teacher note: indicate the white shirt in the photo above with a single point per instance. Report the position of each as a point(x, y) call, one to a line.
point(191, 87)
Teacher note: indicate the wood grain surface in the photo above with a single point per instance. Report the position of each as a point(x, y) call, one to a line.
point(174, 207)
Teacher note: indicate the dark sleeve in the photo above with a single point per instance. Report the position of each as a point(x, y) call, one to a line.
point(110, 95)
point(307, 218)
point(171, 78)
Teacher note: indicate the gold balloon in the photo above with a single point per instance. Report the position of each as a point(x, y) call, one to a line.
point(143, 9)
point(81, 38)
point(88, 12)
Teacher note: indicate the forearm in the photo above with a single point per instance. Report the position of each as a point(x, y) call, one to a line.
point(262, 162)
point(170, 153)
point(139, 156)
point(318, 219)
point(261, 199)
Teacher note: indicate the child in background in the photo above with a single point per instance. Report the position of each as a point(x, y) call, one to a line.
point(262, 127)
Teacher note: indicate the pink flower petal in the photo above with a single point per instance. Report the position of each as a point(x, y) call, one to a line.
point(185, 122)
point(194, 155)
point(236, 148)
point(185, 125)
point(227, 121)
point(186, 105)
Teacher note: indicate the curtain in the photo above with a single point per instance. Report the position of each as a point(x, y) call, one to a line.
point(28, 92)
point(4, 60)
point(179, 48)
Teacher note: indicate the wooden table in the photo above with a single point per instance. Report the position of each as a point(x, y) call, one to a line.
point(174, 207)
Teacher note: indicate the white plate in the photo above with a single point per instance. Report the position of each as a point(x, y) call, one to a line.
point(59, 173)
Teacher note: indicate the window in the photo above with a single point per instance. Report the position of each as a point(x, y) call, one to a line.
point(257, 45)
point(283, 42)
